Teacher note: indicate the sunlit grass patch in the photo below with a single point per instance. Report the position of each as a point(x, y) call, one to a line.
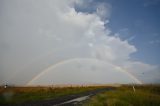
point(125, 96)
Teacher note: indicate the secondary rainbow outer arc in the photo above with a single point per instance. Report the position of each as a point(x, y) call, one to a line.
point(77, 59)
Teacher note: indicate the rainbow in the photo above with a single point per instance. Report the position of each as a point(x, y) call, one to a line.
point(77, 59)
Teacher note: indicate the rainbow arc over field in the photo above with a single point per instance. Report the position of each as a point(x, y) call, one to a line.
point(51, 67)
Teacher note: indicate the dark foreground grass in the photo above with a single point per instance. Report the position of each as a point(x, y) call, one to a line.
point(16, 95)
point(146, 95)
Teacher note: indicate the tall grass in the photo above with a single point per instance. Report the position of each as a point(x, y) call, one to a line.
point(145, 95)
point(16, 95)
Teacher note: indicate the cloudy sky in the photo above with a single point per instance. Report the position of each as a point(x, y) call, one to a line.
point(79, 41)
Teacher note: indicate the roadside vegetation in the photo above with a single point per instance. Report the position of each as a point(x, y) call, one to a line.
point(17, 95)
point(144, 95)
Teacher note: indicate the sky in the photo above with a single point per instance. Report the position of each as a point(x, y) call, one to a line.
point(79, 41)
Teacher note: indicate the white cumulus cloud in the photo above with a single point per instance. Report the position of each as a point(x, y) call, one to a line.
point(36, 34)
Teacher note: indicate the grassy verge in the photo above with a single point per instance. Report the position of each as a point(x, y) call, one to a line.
point(16, 95)
point(146, 95)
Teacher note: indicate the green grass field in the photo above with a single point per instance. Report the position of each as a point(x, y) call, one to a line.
point(16, 95)
point(144, 95)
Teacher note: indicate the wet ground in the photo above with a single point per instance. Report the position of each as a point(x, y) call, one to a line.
point(74, 102)
point(69, 100)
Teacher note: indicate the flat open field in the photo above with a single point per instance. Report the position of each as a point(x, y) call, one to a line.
point(144, 95)
point(124, 95)
point(22, 95)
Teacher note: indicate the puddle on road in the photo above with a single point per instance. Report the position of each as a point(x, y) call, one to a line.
point(77, 99)
point(80, 99)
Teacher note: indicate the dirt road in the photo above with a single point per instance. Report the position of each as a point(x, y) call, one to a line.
point(69, 100)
